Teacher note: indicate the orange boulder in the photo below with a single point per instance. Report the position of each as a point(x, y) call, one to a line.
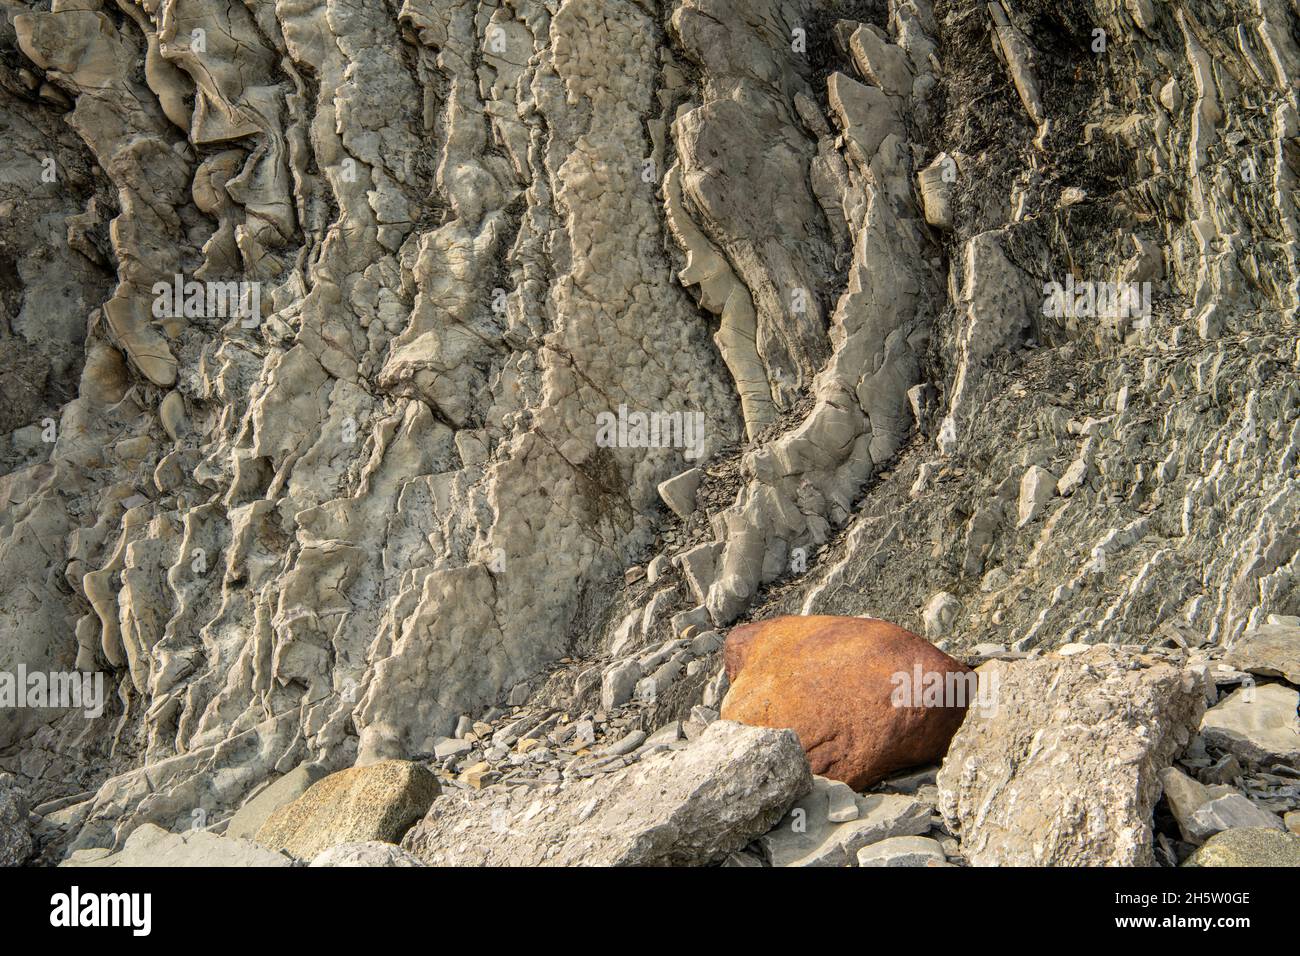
point(865, 697)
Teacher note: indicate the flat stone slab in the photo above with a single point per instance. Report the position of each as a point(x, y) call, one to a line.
point(679, 491)
point(1230, 811)
point(1258, 725)
point(1272, 650)
point(150, 845)
point(903, 851)
point(687, 807)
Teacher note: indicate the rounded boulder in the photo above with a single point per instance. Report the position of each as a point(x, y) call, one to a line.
point(865, 697)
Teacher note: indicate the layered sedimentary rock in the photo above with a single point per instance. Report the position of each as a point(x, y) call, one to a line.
point(387, 472)
point(474, 279)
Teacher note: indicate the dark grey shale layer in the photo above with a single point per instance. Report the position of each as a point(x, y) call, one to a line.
point(479, 226)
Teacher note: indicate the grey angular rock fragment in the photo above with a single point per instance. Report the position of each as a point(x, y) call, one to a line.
point(151, 845)
point(664, 676)
point(842, 803)
point(697, 618)
point(249, 818)
point(1063, 771)
point(703, 715)
point(715, 690)
point(1258, 725)
point(998, 310)
point(1036, 489)
point(678, 492)
point(1226, 812)
point(1225, 770)
point(939, 615)
point(1184, 796)
point(669, 733)
point(903, 851)
point(451, 747)
point(1076, 473)
point(657, 568)
point(15, 831)
point(704, 644)
point(806, 836)
point(936, 184)
point(618, 683)
point(1271, 650)
point(686, 807)
point(699, 566)
point(1018, 55)
point(370, 853)
point(911, 781)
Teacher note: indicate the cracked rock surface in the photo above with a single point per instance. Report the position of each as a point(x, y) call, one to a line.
point(360, 500)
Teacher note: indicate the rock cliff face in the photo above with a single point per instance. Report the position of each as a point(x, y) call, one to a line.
point(346, 347)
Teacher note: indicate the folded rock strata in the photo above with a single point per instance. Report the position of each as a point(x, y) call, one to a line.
point(322, 533)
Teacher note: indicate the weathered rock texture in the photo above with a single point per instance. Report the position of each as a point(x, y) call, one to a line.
point(1248, 847)
point(250, 817)
point(679, 808)
point(1259, 725)
point(1064, 770)
point(1272, 651)
point(379, 802)
point(15, 830)
point(812, 834)
point(837, 681)
point(151, 845)
point(322, 533)
point(370, 853)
